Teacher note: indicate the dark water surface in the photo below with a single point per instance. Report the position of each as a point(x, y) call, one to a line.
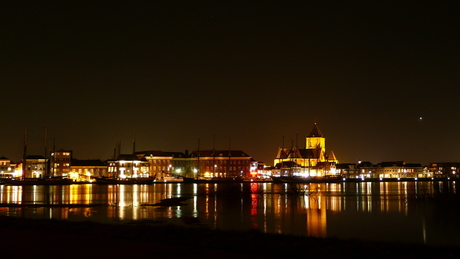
point(416, 212)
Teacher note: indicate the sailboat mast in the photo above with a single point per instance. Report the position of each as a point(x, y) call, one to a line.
point(229, 155)
point(53, 172)
point(134, 142)
point(198, 161)
point(213, 155)
point(45, 139)
point(290, 158)
point(24, 156)
point(46, 172)
point(115, 149)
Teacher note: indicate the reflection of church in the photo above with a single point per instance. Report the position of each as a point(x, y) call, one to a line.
point(309, 161)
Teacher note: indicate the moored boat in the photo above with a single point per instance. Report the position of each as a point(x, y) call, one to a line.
point(107, 180)
point(169, 179)
point(39, 181)
point(213, 180)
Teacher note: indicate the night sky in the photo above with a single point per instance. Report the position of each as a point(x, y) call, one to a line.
point(173, 72)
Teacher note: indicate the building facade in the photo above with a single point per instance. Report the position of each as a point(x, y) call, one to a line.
point(159, 163)
point(444, 169)
point(84, 170)
point(128, 166)
point(7, 168)
point(384, 170)
point(61, 163)
point(220, 164)
point(35, 166)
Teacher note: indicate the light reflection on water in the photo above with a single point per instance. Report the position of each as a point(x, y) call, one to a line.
point(390, 211)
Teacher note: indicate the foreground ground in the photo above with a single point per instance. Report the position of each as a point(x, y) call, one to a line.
point(26, 238)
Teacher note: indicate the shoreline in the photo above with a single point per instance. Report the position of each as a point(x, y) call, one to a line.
point(275, 181)
point(175, 241)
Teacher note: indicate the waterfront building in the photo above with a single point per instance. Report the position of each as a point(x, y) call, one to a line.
point(220, 164)
point(254, 167)
point(180, 163)
point(83, 170)
point(312, 160)
point(128, 166)
point(35, 166)
point(61, 162)
point(384, 170)
point(348, 170)
point(444, 169)
point(7, 168)
point(397, 169)
point(363, 169)
point(159, 163)
point(266, 172)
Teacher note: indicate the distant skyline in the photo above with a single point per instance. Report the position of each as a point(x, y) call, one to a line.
point(171, 73)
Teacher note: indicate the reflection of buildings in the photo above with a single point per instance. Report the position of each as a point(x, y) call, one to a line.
point(316, 216)
point(329, 210)
point(311, 160)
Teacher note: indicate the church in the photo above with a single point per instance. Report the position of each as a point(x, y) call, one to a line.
point(312, 160)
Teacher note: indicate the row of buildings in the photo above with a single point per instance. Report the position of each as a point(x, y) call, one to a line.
point(141, 164)
point(310, 160)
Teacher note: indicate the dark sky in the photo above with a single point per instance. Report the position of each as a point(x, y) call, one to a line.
point(173, 72)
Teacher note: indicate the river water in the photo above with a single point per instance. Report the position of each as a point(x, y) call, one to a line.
point(415, 212)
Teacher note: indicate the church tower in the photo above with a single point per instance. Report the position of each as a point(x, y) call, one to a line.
point(316, 140)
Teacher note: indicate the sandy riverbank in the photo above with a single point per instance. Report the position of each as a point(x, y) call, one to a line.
point(25, 238)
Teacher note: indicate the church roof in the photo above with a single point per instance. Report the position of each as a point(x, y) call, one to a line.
point(286, 153)
point(332, 156)
point(315, 132)
point(282, 154)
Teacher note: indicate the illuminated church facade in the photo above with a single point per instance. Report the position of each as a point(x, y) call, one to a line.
point(312, 160)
